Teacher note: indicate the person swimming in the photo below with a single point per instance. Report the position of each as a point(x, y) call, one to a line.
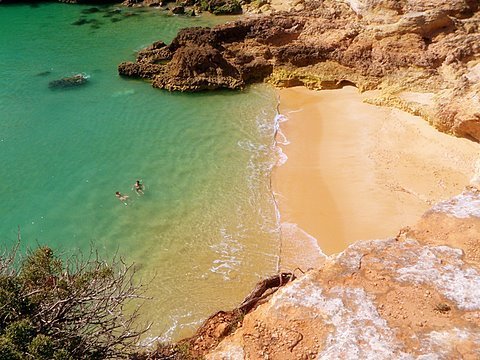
point(121, 197)
point(138, 187)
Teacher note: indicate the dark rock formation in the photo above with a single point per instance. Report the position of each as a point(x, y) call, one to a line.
point(203, 58)
point(91, 10)
point(178, 10)
point(68, 82)
point(44, 73)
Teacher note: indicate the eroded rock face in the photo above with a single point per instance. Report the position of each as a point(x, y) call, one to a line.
point(198, 58)
point(395, 46)
point(417, 294)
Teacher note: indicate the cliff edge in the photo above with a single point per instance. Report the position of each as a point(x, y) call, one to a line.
point(413, 296)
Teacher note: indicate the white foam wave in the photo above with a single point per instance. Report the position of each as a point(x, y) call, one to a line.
point(280, 118)
point(264, 124)
point(149, 341)
point(281, 157)
point(293, 230)
point(178, 321)
point(82, 74)
point(228, 250)
point(280, 138)
point(263, 156)
point(253, 147)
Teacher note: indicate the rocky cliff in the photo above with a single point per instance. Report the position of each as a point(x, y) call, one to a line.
point(428, 47)
point(413, 296)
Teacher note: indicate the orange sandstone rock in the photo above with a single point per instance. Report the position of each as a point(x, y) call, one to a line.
point(394, 46)
point(417, 294)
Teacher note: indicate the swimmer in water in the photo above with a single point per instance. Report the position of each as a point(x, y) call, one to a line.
point(121, 197)
point(138, 187)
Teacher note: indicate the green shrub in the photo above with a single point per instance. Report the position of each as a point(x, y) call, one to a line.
point(8, 351)
point(221, 7)
point(65, 310)
point(20, 333)
point(41, 347)
point(62, 354)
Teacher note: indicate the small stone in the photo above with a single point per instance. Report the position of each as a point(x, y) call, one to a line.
point(442, 308)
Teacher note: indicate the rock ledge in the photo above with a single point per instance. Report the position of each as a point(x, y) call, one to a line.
point(409, 45)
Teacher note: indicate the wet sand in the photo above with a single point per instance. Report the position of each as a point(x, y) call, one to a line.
point(356, 171)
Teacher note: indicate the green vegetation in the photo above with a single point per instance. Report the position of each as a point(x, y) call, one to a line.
point(221, 7)
point(65, 309)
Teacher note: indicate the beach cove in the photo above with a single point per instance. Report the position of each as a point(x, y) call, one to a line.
point(352, 171)
point(412, 294)
point(214, 219)
point(355, 171)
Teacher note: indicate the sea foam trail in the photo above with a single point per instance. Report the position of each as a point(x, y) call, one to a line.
point(280, 160)
point(297, 248)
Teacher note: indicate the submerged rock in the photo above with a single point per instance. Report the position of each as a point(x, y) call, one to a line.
point(44, 73)
point(68, 82)
point(80, 22)
point(90, 10)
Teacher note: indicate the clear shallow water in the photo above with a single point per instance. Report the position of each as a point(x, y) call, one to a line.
point(206, 228)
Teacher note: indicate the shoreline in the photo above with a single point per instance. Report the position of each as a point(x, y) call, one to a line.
point(366, 171)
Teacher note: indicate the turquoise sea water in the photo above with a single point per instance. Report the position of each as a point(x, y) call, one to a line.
point(205, 230)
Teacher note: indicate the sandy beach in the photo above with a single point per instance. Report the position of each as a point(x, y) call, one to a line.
point(356, 171)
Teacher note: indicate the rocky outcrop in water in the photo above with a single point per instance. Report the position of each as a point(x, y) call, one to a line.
point(68, 82)
point(392, 46)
